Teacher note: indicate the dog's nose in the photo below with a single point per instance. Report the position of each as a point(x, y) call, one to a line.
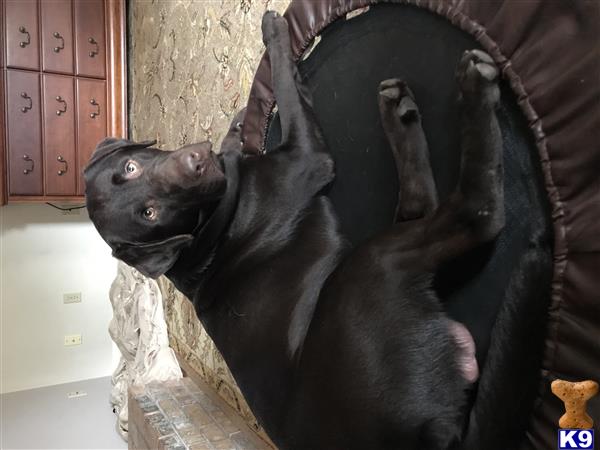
point(193, 162)
point(193, 158)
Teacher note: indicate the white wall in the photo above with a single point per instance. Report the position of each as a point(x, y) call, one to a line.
point(44, 254)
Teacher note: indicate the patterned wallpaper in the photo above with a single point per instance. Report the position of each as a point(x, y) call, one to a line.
point(191, 65)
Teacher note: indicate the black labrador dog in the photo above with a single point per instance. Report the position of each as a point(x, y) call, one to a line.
point(333, 347)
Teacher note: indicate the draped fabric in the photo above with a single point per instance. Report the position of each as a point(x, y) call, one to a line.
point(139, 330)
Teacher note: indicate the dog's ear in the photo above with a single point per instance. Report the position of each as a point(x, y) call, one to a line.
point(153, 258)
point(110, 145)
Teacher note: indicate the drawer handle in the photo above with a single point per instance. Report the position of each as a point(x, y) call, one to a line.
point(26, 97)
point(93, 102)
point(57, 35)
point(94, 52)
point(59, 99)
point(28, 158)
point(23, 30)
point(63, 161)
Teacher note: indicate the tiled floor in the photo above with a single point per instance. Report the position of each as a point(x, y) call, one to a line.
point(46, 418)
point(178, 415)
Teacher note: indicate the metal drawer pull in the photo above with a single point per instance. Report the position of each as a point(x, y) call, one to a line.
point(64, 107)
point(95, 113)
point(64, 161)
point(26, 97)
point(57, 35)
point(94, 52)
point(27, 158)
point(23, 30)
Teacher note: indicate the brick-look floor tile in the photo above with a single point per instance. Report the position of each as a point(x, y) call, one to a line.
point(147, 405)
point(242, 442)
point(158, 391)
point(154, 417)
point(190, 433)
point(198, 444)
point(183, 417)
point(213, 432)
point(207, 403)
point(171, 442)
point(160, 423)
point(183, 423)
point(186, 399)
point(171, 409)
point(226, 444)
point(197, 414)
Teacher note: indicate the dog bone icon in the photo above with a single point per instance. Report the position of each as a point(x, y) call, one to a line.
point(575, 397)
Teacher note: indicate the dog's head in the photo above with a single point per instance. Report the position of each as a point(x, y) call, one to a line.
point(145, 202)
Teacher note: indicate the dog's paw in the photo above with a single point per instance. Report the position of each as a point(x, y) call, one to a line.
point(274, 26)
point(396, 99)
point(477, 76)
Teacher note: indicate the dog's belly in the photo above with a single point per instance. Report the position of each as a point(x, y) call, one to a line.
point(378, 365)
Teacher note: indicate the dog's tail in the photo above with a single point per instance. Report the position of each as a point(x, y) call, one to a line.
point(510, 377)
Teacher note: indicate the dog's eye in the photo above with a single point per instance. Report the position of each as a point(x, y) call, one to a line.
point(150, 213)
point(131, 167)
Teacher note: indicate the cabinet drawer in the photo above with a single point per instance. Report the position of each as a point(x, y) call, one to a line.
point(57, 36)
point(59, 135)
point(22, 38)
point(24, 133)
point(91, 121)
point(90, 43)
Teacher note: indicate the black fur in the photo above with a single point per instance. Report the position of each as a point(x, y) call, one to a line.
point(333, 347)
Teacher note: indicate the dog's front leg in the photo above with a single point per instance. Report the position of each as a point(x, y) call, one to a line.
point(308, 164)
point(294, 102)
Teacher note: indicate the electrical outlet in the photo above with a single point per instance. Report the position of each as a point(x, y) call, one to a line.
point(73, 297)
point(72, 339)
point(76, 394)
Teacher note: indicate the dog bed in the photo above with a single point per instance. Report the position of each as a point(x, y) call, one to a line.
point(549, 56)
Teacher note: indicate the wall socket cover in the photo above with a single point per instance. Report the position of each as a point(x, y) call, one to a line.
point(72, 297)
point(72, 339)
point(75, 394)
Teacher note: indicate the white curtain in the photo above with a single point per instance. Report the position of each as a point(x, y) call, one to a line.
point(138, 328)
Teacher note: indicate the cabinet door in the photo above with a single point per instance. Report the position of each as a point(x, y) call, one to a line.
point(57, 36)
point(24, 133)
point(91, 121)
point(59, 135)
point(89, 38)
point(22, 38)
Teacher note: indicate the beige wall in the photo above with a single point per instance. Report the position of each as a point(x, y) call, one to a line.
point(191, 65)
point(44, 254)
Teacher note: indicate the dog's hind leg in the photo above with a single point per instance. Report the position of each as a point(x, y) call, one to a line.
point(417, 196)
point(474, 213)
point(293, 100)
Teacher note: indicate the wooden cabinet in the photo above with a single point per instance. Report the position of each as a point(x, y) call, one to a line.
point(24, 133)
point(89, 38)
point(60, 162)
point(57, 36)
point(91, 123)
point(22, 36)
point(62, 89)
